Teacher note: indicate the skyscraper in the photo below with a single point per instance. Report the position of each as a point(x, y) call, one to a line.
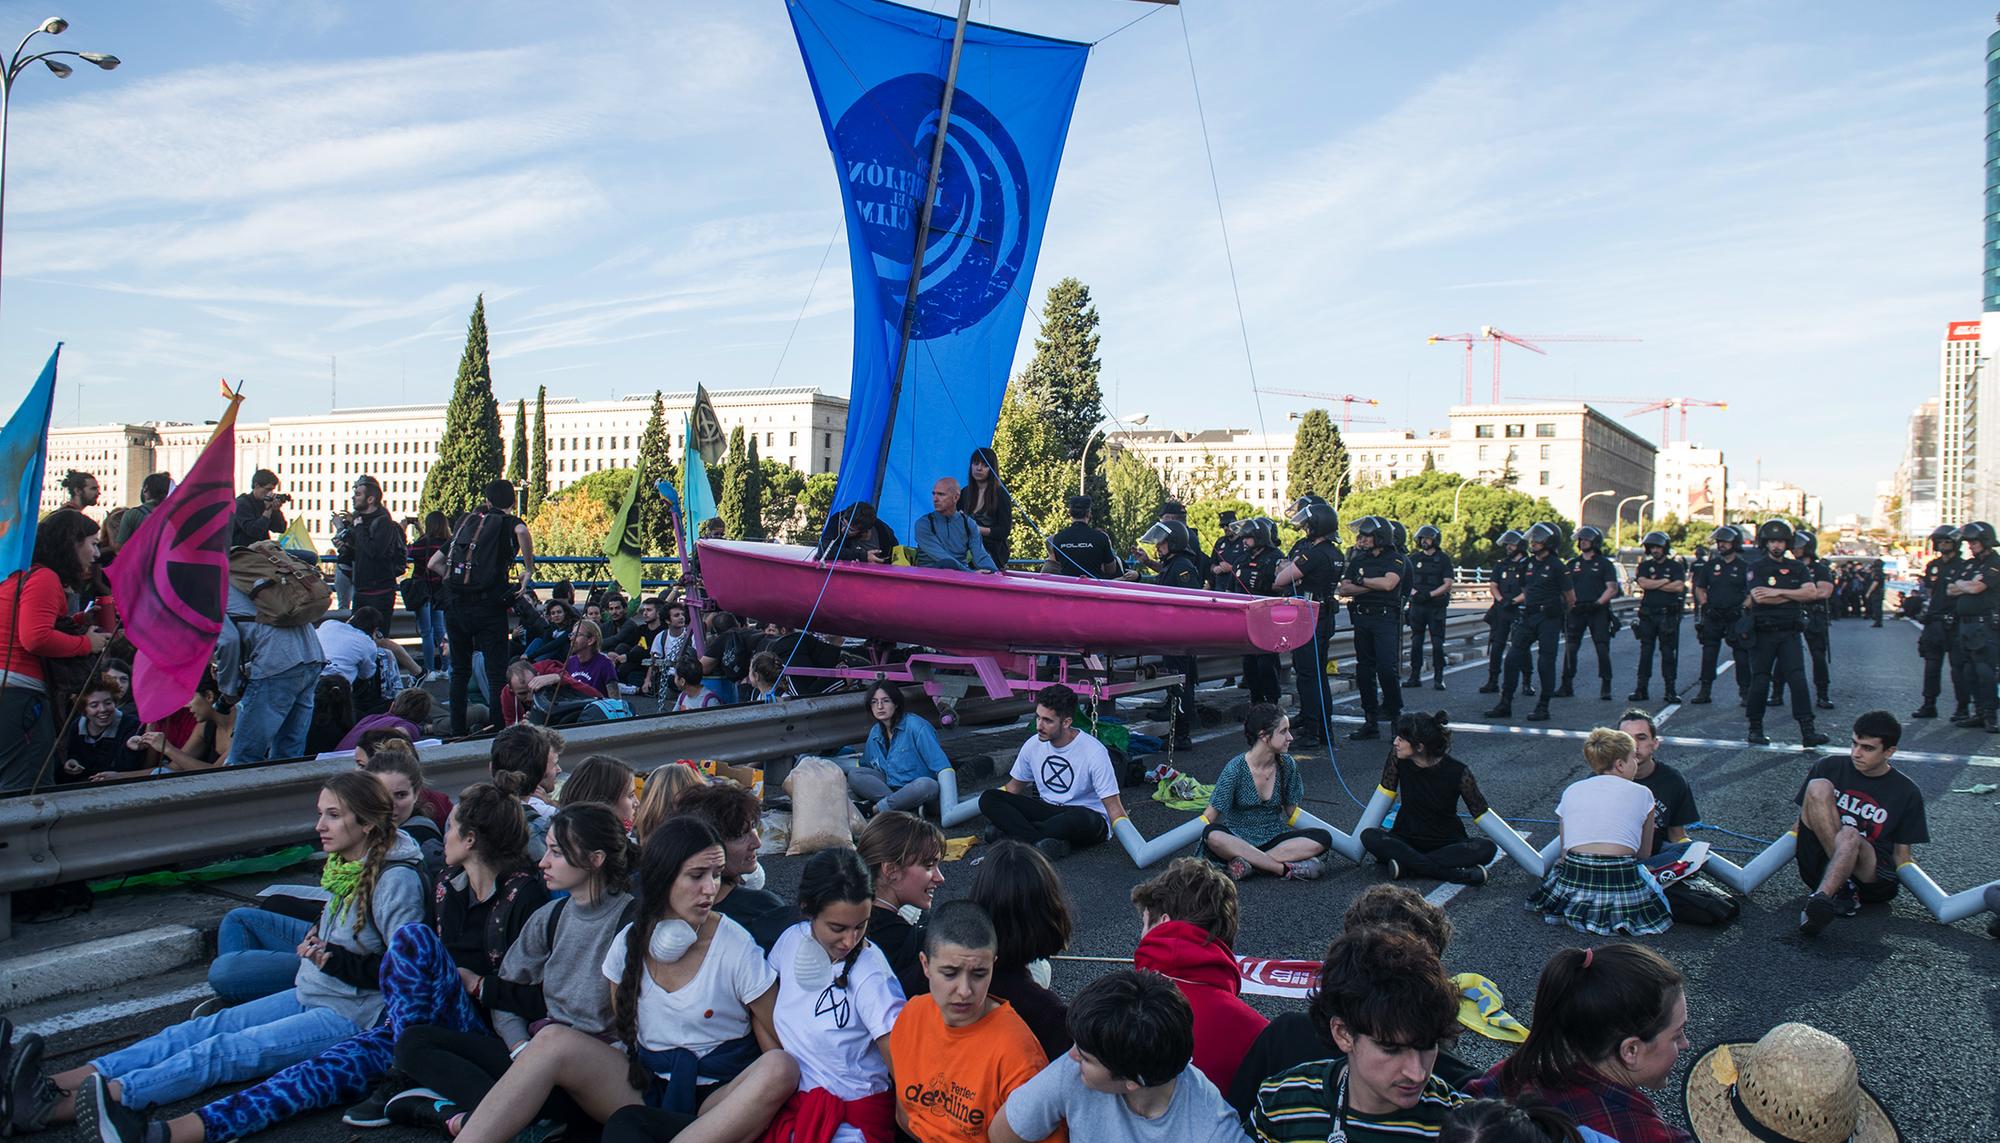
point(1958, 420)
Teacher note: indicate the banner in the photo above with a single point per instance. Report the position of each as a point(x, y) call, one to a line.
point(23, 459)
point(697, 496)
point(708, 436)
point(171, 579)
point(877, 71)
point(622, 548)
point(298, 541)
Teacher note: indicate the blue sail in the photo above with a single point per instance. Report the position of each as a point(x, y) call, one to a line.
point(878, 73)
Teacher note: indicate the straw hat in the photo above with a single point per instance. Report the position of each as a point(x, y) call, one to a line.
point(1796, 1085)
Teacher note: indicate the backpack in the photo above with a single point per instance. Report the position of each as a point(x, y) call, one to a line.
point(287, 592)
point(481, 551)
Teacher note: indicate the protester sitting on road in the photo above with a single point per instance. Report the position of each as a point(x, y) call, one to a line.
point(686, 1033)
point(432, 804)
point(837, 1004)
point(1795, 1082)
point(1427, 839)
point(1858, 818)
point(1600, 885)
point(1129, 1080)
point(1019, 890)
point(900, 759)
point(947, 537)
point(553, 643)
point(196, 737)
point(661, 798)
point(1187, 930)
point(587, 663)
point(350, 644)
point(606, 780)
point(409, 712)
point(735, 814)
point(1497, 1121)
point(1387, 1004)
point(526, 762)
point(120, 672)
point(332, 715)
point(100, 739)
point(403, 775)
point(1697, 899)
point(689, 693)
point(517, 698)
point(1075, 797)
point(1255, 800)
point(373, 877)
point(958, 1051)
point(31, 603)
point(903, 853)
point(1608, 1021)
point(259, 513)
point(726, 662)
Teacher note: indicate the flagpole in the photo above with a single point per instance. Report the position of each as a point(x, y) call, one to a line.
point(923, 240)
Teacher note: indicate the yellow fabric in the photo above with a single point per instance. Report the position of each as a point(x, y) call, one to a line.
point(1482, 1009)
point(955, 848)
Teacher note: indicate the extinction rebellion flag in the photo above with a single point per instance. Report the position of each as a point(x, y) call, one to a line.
point(171, 579)
point(622, 546)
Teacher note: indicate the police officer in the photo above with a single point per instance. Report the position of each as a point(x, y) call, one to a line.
point(1940, 620)
point(1662, 582)
point(1780, 587)
point(1176, 555)
point(1373, 587)
point(1976, 595)
point(1818, 618)
point(1256, 573)
point(1431, 576)
point(1721, 589)
point(1504, 584)
point(1594, 580)
point(1545, 597)
point(1313, 570)
point(1878, 582)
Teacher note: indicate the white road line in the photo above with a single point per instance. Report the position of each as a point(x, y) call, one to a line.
point(119, 1009)
point(1708, 743)
point(1442, 895)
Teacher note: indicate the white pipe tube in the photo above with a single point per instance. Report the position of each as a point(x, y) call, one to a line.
point(1766, 864)
point(1344, 843)
point(1377, 809)
point(1143, 852)
point(1511, 843)
point(1948, 909)
point(951, 811)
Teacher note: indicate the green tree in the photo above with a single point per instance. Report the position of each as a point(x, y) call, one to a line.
point(741, 503)
point(1212, 479)
point(538, 459)
point(1319, 460)
point(752, 491)
point(783, 492)
point(517, 456)
point(606, 486)
point(1038, 477)
point(656, 463)
point(1134, 492)
point(1484, 511)
point(574, 523)
point(1060, 381)
point(469, 454)
point(817, 502)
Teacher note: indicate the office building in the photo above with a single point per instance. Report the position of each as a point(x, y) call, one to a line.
point(1583, 462)
point(1958, 418)
point(1237, 462)
point(1690, 482)
point(1914, 489)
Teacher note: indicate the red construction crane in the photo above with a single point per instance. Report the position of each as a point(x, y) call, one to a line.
point(1662, 405)
point(1495, 337)
point(1347, 403)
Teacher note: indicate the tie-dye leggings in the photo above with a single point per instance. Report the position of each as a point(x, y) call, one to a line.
point(419, 986)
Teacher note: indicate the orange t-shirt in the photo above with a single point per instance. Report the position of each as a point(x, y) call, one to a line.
point(951, 1082)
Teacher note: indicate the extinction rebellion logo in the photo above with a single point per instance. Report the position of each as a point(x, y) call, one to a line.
point(979, 217)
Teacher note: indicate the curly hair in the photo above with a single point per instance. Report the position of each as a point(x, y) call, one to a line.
point(1402, 907)
point(1194, 891)
point(1385, 983)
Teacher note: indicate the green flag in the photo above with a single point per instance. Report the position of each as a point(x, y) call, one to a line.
point(621, 547)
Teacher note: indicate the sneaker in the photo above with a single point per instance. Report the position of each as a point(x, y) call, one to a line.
point(1394, 869)
point(374, 1110)
point(1238, 869)
point(1817, 915)
point(421, 1107)
point(1847, 902)
point(1307, 870)
point(208, 1007)
point(100, 1117)
point(27, 1095)
point(1467, 875)
point(1053, 848)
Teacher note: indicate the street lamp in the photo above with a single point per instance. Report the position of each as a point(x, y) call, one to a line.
point(1084, 460)
point(16, 64)
point(1584, 503)
point(1618, 516)
point(1636, 516)
point(1456, 492)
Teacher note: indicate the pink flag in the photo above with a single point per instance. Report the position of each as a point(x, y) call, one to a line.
point(171, 579)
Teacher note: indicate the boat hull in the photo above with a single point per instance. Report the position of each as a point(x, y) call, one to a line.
point(1011, 612)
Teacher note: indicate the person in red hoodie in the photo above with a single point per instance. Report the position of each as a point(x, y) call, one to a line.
point(31, 603)
point(1187, 921)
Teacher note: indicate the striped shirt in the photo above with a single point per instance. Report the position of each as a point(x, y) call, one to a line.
point(1300, 1104)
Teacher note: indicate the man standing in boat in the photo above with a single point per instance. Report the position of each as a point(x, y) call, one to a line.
point(946, 537)
point(1313, 571)
point(1373, 592)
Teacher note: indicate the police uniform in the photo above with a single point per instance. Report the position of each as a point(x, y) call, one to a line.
point(1545, 582)
point(1181, 569)
point(1978, 635)
point(1376, 632)
point(1589, 575)
point(1878, 582)
point(1429, 570)
point(1818, 621)
point(1725, 587)
point(1500, 617)
point(1775, 649)
point(1940, 631)
point(1660, 622)
point(1256, 574)
point(1320, 568)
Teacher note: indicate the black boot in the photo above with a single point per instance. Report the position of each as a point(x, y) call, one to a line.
point(1639, 694)
point(1928, 710)
point(1701, 697)
point(1437, 682)
point(1957, 713)
point(1527, 688)
point(1757, 737)
point(1967, 721)
point(1540, 713)
point(1823, 702)
point(1992, 722)
point(1670, 698)
point(1492, 686)
point(1413, 681)
point(1563, 691)
point(1809, 737)
point(1604, 691)
point(1364, 732)
point(1505, 709)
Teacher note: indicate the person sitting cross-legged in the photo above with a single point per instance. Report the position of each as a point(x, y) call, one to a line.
point(1256, 797)
point(1427, 839)
point(1858, 818)
point(1075, 797)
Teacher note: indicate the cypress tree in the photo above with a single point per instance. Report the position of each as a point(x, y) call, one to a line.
point(1060, 382)
point(656, 463)
point(469, 454)
point(517, 457)
point(1319, 460)
point(729, 500)
point(753, 493)
point(537, 490)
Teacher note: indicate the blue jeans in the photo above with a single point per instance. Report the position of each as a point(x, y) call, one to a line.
point(256, 954)
point(272, 719)
point(247, 1042)
point(430, 627)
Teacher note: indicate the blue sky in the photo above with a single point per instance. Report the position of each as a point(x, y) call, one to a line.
point(1783, 200)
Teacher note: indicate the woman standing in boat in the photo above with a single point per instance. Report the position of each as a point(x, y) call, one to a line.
point(985, 499)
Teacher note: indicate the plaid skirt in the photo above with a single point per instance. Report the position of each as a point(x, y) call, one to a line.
point(1597, 893)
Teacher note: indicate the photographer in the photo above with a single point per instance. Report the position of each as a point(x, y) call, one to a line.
point(260, 512)
point(373, 547)
point(343, 560)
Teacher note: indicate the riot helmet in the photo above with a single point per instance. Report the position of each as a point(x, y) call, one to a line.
point(1655, 540)
point(1374, 529)
point(1588, 535)
point(1316, 517)
point(1805, 542)
point(1171, 533)
point(1726, 538)
point(1263, 530)
point(1429, 534)
point(1944, 538)
point(1980, 532)
point(1544, 535)
point(1512, 540)
point(1399, 537)
point(1773, 531)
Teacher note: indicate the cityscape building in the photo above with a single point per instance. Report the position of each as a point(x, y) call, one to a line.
point(1958, 418)
point(1913, 494)
point(1690, 482)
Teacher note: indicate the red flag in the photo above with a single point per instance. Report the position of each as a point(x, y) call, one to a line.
point(171, 579)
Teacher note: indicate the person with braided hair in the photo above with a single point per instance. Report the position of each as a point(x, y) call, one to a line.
point(695, 1036)
point(375, 887)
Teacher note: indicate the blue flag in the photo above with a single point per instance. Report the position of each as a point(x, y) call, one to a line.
point(23, 455)
point(877, 71)
point(696, 495)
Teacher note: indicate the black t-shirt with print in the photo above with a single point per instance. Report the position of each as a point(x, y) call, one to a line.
point(1673, 802)
point(1887, 809)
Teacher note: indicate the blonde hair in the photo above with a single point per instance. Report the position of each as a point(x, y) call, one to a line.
point(662, 795)
point(589, 630)
point(1604, 749)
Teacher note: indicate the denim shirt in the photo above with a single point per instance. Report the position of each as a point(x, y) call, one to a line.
point(249, 650)
point(913, 754)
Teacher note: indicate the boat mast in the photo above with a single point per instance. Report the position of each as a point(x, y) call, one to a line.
point(923, 240)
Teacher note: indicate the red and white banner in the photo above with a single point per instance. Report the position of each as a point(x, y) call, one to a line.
point(1293, 978)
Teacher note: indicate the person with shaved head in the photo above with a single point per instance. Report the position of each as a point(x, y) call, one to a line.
point(946, 537)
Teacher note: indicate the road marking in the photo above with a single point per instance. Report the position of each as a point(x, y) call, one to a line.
point(1709, 743)
point(119, 1010)
point(1479, 661)
point(1442, 895)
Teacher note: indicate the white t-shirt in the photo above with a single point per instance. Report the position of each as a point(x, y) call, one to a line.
point(831, 1032)
point(1075, 775)
point(1196, 1114)
point(349, 653)
point(1604, 809)
point(708, 1011)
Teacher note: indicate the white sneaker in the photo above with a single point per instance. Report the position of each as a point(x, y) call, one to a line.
point(208, 1007)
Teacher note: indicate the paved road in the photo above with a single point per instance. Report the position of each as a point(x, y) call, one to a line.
point(1916, 999)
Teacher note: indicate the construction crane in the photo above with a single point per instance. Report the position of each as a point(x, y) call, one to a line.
point(1347, 403)
point(1496, 337)
point(1662, 405)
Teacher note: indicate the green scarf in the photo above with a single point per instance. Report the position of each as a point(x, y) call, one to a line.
point(340, 878)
